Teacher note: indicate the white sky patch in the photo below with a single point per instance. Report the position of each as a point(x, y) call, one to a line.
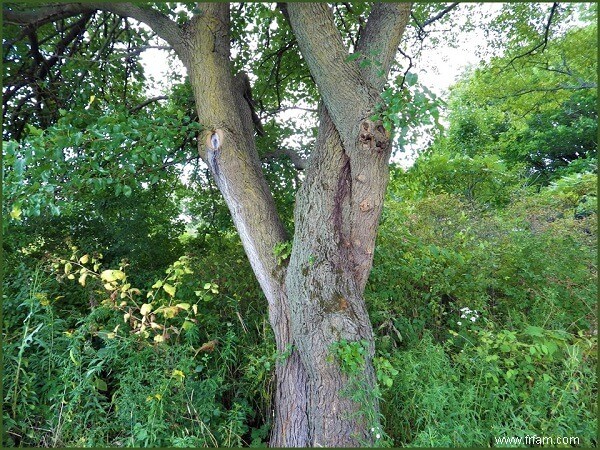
point(441, 66)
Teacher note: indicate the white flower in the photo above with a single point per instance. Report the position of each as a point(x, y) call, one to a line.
point(459, 323)
point(372, 429)
point(377, 436)
point(473, 319)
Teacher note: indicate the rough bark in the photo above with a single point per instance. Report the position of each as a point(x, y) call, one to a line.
point(337, 213)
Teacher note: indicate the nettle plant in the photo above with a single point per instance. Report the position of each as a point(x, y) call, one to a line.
point(158, 314)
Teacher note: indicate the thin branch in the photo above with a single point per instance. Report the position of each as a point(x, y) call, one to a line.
point(410, 65)
point(345, 25)
point(137, 51)
point(147, 102)
point(421, 26)
point(161, 24)
point(542, 44)
point(298, 162)
point(288, 108)
point(439, 15)
point(580, 87)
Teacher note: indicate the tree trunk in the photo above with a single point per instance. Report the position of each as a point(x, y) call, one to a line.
point(228, 147)
point(336, 217)
point(326, 299)
point(318, 301)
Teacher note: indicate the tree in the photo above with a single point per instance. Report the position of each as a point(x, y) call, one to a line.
point(316, 298)
point(536, 109)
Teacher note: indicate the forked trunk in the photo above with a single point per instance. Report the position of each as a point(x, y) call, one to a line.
point(316, 304)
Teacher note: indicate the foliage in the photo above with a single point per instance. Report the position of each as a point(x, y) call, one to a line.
point(131, 313)
point(352, 358)
point(536, 109)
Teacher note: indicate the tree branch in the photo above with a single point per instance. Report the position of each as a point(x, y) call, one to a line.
point(339, 80)
point(439, 15)
point(579, 87)
point(544, 42)
point(381, 38)
point(160, 23)
point(298, 162)
point(147, 102)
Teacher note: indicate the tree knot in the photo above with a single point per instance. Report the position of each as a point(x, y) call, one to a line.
point(373, 136)
point(366, 205)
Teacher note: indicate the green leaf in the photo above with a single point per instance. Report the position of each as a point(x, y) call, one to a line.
point(15, 213)
point(353, 57)
point(101, 385)
point(188, 325)
point(126, 190)
point(534, 331)
point(411, 79)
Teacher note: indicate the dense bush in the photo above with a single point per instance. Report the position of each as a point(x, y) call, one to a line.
point(485, 322)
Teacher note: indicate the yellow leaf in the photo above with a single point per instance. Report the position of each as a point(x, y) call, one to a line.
point(112, 275)
point(126, 317)
point(145, 309)
point(15, 213)
point(178, 374)
point(185, 306)
point(71, 276)
point(84, 259)
point(169, 311)
point(82, 279)
point(169, 289)
point(207, 346)
point(158, 338)
point(195, 309)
